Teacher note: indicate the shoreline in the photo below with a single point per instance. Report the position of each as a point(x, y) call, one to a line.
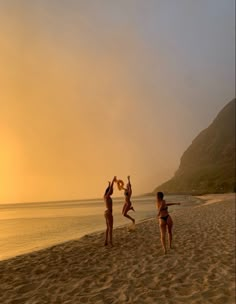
point(27, 243)
point(198, 270)
point(77, 239)
point(71, 200)
point(203, 199)
point(185, 200)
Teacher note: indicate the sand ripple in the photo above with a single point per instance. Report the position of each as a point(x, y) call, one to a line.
point(200, 268)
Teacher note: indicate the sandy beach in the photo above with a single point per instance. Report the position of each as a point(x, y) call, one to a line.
point(199, 269)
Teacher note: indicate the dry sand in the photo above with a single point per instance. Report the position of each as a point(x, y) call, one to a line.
point(200, 268)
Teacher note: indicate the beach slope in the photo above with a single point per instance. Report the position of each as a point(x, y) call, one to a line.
point(199, 269)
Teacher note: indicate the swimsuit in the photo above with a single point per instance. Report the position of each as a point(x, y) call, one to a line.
point(166, 208)
point(164, 217)
point(107, 212)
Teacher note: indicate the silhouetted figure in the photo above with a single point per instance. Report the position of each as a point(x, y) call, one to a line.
point(128, 205)
point(108, 212)
point(165, 220)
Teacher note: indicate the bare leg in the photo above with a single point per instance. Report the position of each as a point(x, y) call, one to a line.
point(170, 225)
point(125, 210)
point(170, 237)
point(163, 236)
point(106, 233)
point(106, 243)
point(129, 217)
point(110, 229)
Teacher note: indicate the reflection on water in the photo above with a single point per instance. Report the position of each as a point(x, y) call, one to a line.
point(31, 226)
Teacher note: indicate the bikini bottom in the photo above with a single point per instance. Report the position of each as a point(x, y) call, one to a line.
point(107, 213)
point(164, 217)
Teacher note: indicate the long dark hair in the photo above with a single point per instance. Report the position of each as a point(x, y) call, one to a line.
point(160, 195)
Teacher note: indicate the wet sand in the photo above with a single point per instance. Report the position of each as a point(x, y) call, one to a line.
point(199, 269)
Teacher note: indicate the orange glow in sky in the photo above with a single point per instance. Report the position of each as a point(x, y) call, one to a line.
point(91, 92)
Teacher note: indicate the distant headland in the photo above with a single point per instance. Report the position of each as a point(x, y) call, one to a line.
point(208, 165)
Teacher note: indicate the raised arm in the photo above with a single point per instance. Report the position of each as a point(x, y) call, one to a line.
point(111, 186)
point(129, 188)
point(114, 180)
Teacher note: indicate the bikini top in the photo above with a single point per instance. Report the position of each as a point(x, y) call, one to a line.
point(166, 208)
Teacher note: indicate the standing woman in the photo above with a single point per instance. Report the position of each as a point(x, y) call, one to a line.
point(128, 205)
point(108, 212)
point(165, 220)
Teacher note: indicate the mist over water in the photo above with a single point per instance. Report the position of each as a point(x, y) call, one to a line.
point(28, 227)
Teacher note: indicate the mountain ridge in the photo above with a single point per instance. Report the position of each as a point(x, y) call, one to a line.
point(208, 164)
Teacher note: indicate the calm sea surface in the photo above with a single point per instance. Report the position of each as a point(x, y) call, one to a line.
point(27, 227)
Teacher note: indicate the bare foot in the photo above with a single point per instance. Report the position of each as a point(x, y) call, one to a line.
point(132, 208)
point(105, 244)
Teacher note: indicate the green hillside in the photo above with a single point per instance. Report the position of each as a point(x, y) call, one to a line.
point(208, 165)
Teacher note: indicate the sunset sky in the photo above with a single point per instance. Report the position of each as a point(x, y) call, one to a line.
point(91, 89)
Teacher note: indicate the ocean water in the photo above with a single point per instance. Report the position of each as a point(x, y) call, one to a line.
point(26, 227)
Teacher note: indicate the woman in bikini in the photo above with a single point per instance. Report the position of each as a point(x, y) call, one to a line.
point(128, 205)
point(108, 212)
point(165, 220)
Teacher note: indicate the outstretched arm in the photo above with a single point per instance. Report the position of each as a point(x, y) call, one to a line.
point(170, 204)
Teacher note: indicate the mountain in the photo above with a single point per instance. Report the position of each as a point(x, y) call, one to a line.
point(208, 165)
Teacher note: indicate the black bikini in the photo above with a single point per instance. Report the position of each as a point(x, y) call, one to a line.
point(164, 217)
point(166, 208)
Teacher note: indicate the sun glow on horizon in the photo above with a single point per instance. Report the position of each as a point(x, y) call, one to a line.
point(89, 93)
